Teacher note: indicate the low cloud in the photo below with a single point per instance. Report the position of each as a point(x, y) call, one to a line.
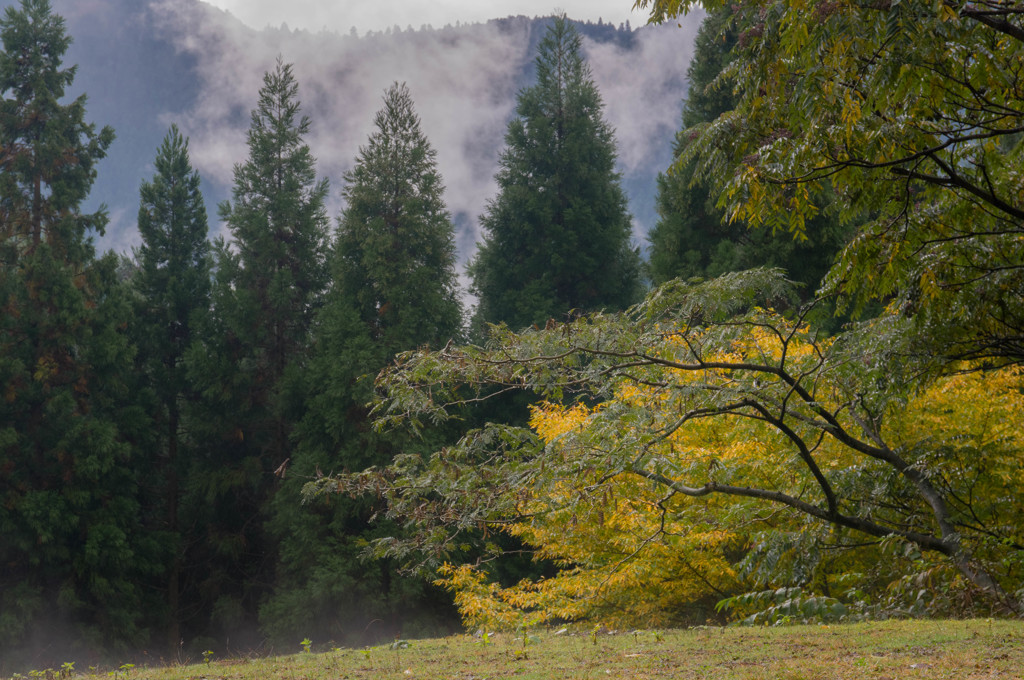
point(463, 80)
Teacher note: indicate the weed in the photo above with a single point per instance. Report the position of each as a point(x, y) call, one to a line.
point(525, 640)
point(208, 656)
point(67, 669)
point(307, 645)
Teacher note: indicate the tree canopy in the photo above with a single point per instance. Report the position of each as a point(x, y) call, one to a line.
point(702, 408)
point(904, 119)
point(906, 113)
point(74, 543)
point(693, 237)
point(172, 285)
point(395, 251)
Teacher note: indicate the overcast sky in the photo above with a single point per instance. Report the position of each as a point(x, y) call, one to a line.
point(376, 15)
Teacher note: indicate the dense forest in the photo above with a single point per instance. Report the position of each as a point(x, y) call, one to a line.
point(801, 405)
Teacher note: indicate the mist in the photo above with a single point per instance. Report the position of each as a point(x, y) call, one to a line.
point(464, 80)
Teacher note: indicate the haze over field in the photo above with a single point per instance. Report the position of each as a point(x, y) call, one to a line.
point(146, 65)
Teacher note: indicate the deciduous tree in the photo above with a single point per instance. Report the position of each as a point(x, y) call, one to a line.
point(908, 115)
point(693, 237)
point(703, 395)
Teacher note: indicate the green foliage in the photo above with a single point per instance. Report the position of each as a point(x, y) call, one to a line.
point(172, 284)
point(269, 285)
point(557, 236)
point(786, 605)
point(693, 237)
point(395, 250)
point(173, 261)
point(395, 289)
point(73, 543)
point(905, 116)
point(704, 396)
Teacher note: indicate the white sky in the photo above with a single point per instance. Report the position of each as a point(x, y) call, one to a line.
point(377, 15)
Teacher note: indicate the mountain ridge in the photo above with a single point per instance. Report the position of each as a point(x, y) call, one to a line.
point(146, 65)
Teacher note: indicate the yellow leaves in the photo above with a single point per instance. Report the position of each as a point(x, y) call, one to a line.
point(551, 421)
point(851, 113)
point(46, 368)
point(979, 410)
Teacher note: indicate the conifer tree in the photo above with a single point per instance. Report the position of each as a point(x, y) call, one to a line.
point(73, 548)
point(396, 241)
point(557, 236)
point(270, 284)
point(394, 289)
point(173, 287)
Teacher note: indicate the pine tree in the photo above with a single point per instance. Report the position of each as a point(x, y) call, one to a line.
point(270, 283)
point(173, 287)
point(73, 545)
point(558, 233)
point(395, 289)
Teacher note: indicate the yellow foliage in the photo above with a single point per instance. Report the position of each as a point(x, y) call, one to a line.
point(633, 553)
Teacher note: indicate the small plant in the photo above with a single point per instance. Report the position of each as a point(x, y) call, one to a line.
point(208, 656)
point(67, 669)
point(307, 645)
point(122, 671)
point(526, 639)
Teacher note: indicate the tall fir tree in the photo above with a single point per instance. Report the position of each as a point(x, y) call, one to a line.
point(395, 252)
point(395, 289)
point(270, 283)
point(557, 236)
point(172, 284)
point(692, 237)
point(73, 551)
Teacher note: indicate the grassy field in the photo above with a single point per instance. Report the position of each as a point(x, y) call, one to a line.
point(887, 650)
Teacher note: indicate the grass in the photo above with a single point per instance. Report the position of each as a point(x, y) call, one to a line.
point(965, 650)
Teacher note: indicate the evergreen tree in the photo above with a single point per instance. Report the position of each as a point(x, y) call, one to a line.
point(693, 238)
point(73, 547)
point(396, 241)
point(395, 289)
point(270, 284)
point(558, 233)
point(173, 286)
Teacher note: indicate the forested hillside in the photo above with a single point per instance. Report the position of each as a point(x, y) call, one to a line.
point(164, 406)
point(384, 359)
point(147, 64)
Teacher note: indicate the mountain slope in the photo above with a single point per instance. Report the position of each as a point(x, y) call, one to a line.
point(147, 64)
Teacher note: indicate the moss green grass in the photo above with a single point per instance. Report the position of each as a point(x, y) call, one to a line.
point(890, 650)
